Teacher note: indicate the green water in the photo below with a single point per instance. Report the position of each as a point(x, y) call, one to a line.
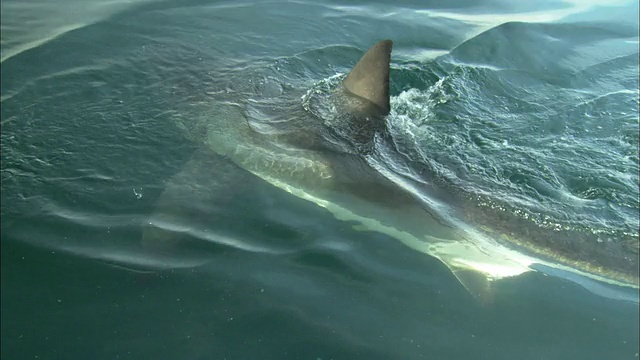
point(532, 109)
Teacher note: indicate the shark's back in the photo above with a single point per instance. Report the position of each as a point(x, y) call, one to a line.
point(347, 181)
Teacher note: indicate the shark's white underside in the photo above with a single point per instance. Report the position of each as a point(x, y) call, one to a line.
point(471, 250)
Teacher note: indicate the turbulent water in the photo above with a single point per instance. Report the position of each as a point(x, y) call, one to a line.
point(527, 113)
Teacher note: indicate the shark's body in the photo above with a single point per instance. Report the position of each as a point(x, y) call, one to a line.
point(349, 181)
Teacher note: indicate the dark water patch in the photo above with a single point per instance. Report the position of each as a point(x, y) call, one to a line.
point(222, 310)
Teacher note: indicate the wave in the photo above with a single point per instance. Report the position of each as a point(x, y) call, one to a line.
point(48, 21)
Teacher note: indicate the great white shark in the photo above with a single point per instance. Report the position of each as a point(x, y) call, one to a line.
point(337, 164)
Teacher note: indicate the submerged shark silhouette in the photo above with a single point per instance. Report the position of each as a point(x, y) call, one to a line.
point(348, 181)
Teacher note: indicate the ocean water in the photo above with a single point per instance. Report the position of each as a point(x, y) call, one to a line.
point(525, 114)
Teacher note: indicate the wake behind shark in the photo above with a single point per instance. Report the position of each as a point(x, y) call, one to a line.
point(348, 180)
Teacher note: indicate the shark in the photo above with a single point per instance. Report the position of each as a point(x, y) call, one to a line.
point(337, 162)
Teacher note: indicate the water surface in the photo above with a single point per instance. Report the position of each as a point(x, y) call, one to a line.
point(530, 110)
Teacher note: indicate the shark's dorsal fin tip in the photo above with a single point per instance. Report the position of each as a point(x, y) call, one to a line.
point(369, 79)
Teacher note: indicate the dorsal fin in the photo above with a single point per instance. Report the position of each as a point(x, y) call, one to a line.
point(369, 79)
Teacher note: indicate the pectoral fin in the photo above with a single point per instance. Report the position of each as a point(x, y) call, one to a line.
point(187, 205)
point(477, 283)
point(477, 266)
